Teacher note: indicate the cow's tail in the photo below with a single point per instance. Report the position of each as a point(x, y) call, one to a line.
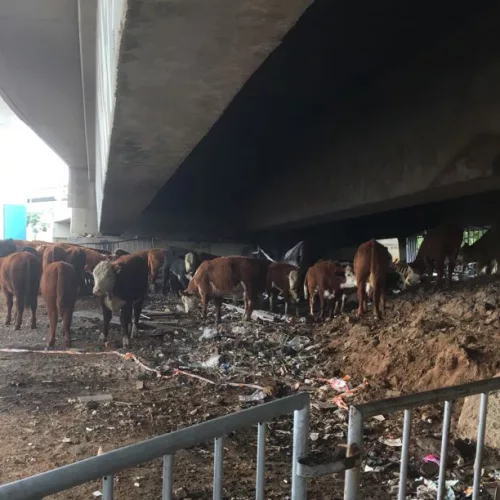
point(60, 291)
point(29, 281)
point(373, 264)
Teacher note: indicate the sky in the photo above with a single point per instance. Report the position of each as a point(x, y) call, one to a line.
point(27, 164)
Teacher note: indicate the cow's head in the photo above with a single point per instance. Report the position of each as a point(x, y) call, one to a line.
point(350, 279)
point(189, 262)
point(412, 277)
point(105, 277)
point(189, 300)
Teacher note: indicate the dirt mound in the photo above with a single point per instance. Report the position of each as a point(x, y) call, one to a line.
point(427, 339)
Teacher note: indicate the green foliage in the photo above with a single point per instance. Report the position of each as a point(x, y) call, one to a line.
point(34, 220)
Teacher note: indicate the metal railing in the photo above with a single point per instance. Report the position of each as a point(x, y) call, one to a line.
point(108, 464)
point(358, 413)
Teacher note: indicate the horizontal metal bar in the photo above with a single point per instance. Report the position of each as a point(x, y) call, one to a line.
point(392, 405)
point(112, 462)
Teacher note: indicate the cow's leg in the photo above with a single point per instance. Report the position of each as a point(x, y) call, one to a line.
point(251, 300)
point(272, 299)
point(10, 302)
point(361, 296)
point(336, 307)
point(204, 304)
point(67, 317)
point(33, 307)
point(440, 271)
point(137, 315)
point(321, 294)
point(235, 300)
point(344, 296)
point(451, 268)
point(125, 321)
point(377, 289)
point(19, 310)
point(311, 303)
point(286, 298)
point(52, 311)
point(106, 317)
point(218, 306)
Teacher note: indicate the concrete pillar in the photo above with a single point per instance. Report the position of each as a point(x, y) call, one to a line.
point(83, 221)
point(402, 249)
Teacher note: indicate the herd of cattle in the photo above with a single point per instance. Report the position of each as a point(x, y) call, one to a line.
point(60, 272)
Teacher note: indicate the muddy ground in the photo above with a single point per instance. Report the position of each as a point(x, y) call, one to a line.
point(429, 339)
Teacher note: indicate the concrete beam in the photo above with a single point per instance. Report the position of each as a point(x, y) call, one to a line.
point(87, 21)
point(40, 72)
point(180, 65)
point(428, 130)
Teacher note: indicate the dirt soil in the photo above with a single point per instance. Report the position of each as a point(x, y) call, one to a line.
point(429, 339)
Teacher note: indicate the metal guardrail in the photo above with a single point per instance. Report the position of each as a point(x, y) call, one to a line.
point(108, 464)
point(446, 395)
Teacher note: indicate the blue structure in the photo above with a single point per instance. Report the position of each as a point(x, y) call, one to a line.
point(15, 219)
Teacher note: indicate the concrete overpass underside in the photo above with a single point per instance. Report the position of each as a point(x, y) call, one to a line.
point(246, 119)
point(357, 113)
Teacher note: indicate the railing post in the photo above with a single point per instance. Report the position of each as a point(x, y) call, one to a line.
point(261, 460)
point(444, 450)
point(168, 463)
point(218, 460)
point(483, 410)
point(354, 446)
point(107, 488)
point(300, 441)
point(405, 455)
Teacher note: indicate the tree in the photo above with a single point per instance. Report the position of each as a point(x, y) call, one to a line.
point(36, 224)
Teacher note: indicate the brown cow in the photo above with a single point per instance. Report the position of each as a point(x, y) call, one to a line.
point(283, 277)
point(484, 251)
point(155, 263)
point(371, 263)
point(154, 258)
point(122, 285)
point(59, 287)
point(325, 279)
point(223, 276)
point(440, 243)
point(77, 257)
point(53, 253)
point(20, 278)
point(92, 258)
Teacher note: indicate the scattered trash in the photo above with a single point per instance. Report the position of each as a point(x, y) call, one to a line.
point(67, 440)
point(239, 330)
point(180, 493)
point(97, 494)
point(139, 385)
point(314, 436)
point(256, 396)
point(212, 361)
point(378, 418)
point(99, 398)
point(298, 343)
point(430, 466)
point(391, 442)
point(209, 334)
point(430, 488)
